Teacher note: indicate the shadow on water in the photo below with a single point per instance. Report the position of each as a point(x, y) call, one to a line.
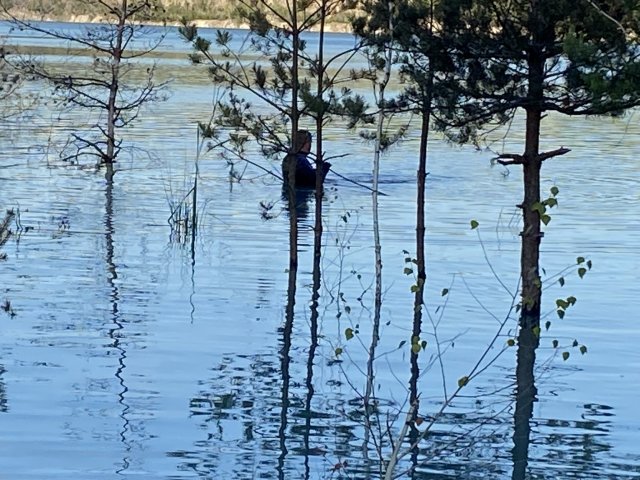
point(116, 332)
point(302, 198)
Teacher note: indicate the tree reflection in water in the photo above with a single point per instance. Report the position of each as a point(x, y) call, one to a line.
point(116, 332)
point(265, 415)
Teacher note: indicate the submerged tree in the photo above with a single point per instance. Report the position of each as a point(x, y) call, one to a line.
point(539, 56)
point(391, 26)
point(109, 88)
point(290, 84)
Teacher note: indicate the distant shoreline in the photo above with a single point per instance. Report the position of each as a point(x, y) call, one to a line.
point(201, 23)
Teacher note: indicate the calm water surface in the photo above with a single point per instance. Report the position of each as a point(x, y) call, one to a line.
point(132, 354)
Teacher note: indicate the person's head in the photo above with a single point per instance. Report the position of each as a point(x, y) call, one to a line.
point(302, 141)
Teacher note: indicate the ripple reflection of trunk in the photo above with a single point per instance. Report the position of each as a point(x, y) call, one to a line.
point(116, 333)
point(525, 396)
point(285, 358)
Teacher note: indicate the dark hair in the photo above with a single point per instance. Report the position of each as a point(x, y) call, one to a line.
point(302, 137)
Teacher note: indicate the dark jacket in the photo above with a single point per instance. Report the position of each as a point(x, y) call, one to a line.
point(305, 173)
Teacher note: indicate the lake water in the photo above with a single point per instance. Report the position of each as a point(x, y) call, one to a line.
point(131, 354)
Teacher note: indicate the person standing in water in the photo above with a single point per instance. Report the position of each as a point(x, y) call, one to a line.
point(305, 173)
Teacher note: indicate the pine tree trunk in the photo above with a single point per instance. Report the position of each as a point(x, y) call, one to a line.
point(531, 234)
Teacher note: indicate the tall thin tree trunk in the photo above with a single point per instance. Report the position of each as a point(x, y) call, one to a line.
point(317, 229)
point(377, 300)
point(531, 234)
point(293, 244)
point(291, 159)
point(116, 52)
point(426, 94)
point(418, 301)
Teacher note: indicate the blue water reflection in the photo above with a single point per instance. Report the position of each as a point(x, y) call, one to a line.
point(134, 354)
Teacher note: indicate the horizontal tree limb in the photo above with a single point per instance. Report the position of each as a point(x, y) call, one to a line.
point(511, 159)
point(553, 153)
point(517, 159)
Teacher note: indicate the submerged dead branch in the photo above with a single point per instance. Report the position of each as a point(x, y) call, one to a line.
point(5, 231)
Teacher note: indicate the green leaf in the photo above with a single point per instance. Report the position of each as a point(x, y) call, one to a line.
point(583, 349)
point(555, 343)
point(415, 348)
point(408, 271)
point(511, 342)
point(582, 271)
point(338, 351)
point(579, 260)
point(414, 288)
point(445, 291)
point(561, 281)
point(536, 331)
point(551, 202)
point(462, 381)
point(565, 356)
point(538, 207)
point(554, 191)
point(547, 325)
point(563, 304)
point(572, 300)
point(474, 224)
point(348, 333)
point(545, 219)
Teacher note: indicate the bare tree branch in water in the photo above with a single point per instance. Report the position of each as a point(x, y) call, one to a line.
point(5, 233)
point(107, 89)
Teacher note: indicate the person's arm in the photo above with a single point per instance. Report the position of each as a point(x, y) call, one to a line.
point(305, 173)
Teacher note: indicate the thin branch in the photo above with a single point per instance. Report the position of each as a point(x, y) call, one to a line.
point(607, 16)
point(553, 153)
